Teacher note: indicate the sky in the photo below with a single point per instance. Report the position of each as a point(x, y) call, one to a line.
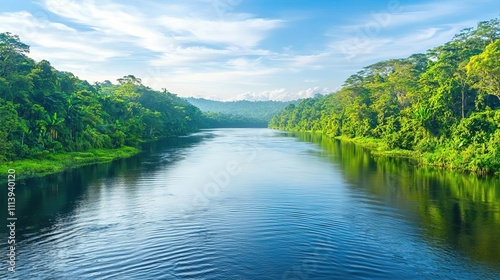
point(234, 49)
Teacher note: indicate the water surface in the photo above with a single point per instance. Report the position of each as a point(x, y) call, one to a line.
point(256, 204)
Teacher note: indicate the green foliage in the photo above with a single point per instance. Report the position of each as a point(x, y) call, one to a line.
point(47, 163)
point(485, 68)
point(45, 111)
point(443, 106)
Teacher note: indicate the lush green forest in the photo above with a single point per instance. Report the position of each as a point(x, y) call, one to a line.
point(443, 106)
point(242, 113)
point(45, 111)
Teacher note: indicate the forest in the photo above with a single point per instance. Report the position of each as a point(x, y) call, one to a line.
point(241, 113)
point(441, 108)
point(44, 110)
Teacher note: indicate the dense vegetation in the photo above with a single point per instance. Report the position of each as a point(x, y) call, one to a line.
point(44, 110)
point(242, 113)
point(443, 106)
point(221, 120)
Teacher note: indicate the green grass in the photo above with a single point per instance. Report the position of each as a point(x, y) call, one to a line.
point(44, 164)
point(441, 158)
point(379, 147)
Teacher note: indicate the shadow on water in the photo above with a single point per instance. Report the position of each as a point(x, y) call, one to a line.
point(456, 210)
point(41, 201)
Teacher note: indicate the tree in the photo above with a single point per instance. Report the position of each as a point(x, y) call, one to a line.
point(12, 52)
point(488, 30)
point(129, 79)
point(10, 41)
point(485, 67)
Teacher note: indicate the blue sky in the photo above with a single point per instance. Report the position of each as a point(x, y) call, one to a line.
point(234, 49)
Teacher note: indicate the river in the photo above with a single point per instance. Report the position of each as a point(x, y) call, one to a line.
point(255, 204)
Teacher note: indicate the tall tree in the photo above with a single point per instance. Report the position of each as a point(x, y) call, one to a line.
point(485, 67)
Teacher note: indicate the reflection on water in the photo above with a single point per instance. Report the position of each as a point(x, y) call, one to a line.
point(303, 207)
point(456, 209)
point(41, 201)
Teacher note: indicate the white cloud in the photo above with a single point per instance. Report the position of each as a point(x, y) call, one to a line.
point(241, 63)
point(226, 76)
point(353, 47)
point(57, 42)
point(115, 21)
point(311, 61)
point(402, 45)
point(163, 33)
point(179, 56)
point(396, 15)
point(210, 46)
point(243, 33)
point(406, 30)
point(280, 94)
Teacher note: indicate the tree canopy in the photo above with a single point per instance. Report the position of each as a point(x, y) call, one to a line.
point(485, 68)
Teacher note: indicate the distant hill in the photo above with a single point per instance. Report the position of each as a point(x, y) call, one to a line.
point(255, 111)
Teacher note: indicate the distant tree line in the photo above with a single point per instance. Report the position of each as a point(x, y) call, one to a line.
point(220, 120)
point(444, 104)
point(241, 113)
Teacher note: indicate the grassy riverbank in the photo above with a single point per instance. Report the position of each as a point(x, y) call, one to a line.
point(442, 157)
point(379, 147)
point(44, 164)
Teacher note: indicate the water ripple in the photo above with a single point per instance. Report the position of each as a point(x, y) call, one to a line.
point(289, 214)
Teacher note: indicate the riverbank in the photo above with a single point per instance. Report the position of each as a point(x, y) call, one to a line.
point(378, 147)
point(441, 157)
point(44, 164)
